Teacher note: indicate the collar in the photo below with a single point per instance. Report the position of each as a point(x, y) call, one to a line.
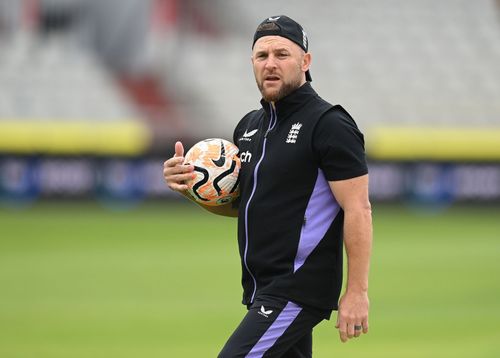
point(291, 102)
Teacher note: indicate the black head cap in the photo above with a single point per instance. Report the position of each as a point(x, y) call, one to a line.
point(285, 27)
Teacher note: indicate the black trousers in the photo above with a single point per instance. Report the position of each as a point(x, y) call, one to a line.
point(272, 330)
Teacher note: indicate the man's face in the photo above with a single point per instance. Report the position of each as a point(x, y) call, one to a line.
point(279, 66)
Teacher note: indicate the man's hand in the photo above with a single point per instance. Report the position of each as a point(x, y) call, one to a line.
point(176, 173)
point(352, 317)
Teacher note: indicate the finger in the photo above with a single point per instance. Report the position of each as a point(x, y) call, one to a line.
point(343, 331)
point(169, 172)
point(172, 162)
point(178, 169)
point(350, 330)
point(178, 187)
point(357, 330)
point(365, 326)
point(173, 181)
point(181, 178)
point(179, 149)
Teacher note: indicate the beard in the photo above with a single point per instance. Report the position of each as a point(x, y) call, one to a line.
point(285, 89)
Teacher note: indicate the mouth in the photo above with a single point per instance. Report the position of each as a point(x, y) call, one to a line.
point(271, 78)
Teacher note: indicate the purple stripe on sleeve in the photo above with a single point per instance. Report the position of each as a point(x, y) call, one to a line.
point(320, 213)
point(275, 331)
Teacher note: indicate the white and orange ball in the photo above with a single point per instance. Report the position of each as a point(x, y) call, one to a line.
point(217, 167)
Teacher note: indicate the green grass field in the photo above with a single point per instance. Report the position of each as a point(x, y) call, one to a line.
point(77, 280)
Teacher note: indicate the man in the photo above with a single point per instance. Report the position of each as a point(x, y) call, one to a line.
point(304, 191)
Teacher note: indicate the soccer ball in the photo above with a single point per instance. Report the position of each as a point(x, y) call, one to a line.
point(216, 166)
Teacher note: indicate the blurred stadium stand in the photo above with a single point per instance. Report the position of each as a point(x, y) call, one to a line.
point(115, 78)
point(405, 64)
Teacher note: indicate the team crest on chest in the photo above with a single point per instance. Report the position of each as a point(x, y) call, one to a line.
point(294, 132)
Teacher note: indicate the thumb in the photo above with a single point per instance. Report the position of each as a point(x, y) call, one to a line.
point(179, 149)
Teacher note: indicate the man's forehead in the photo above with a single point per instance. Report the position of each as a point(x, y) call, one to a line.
point(265, 42)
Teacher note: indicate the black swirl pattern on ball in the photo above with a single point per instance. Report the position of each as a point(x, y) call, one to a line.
point(222, 176)
point(201, 182)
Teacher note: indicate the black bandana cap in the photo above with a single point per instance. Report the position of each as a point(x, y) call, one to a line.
point(285, 27)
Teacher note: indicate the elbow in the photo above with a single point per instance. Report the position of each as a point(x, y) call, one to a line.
point(367, 207)
point(362, 207)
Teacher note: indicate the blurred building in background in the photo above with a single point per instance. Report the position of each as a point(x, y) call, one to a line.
point(93, 93)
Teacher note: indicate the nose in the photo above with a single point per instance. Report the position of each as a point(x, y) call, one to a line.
point(270, 62)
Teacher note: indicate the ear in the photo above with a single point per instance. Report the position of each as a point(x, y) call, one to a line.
point(306, 61)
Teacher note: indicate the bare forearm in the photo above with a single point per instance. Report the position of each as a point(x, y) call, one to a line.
point(358, 244)
point(223, 210)
point(352, 195)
